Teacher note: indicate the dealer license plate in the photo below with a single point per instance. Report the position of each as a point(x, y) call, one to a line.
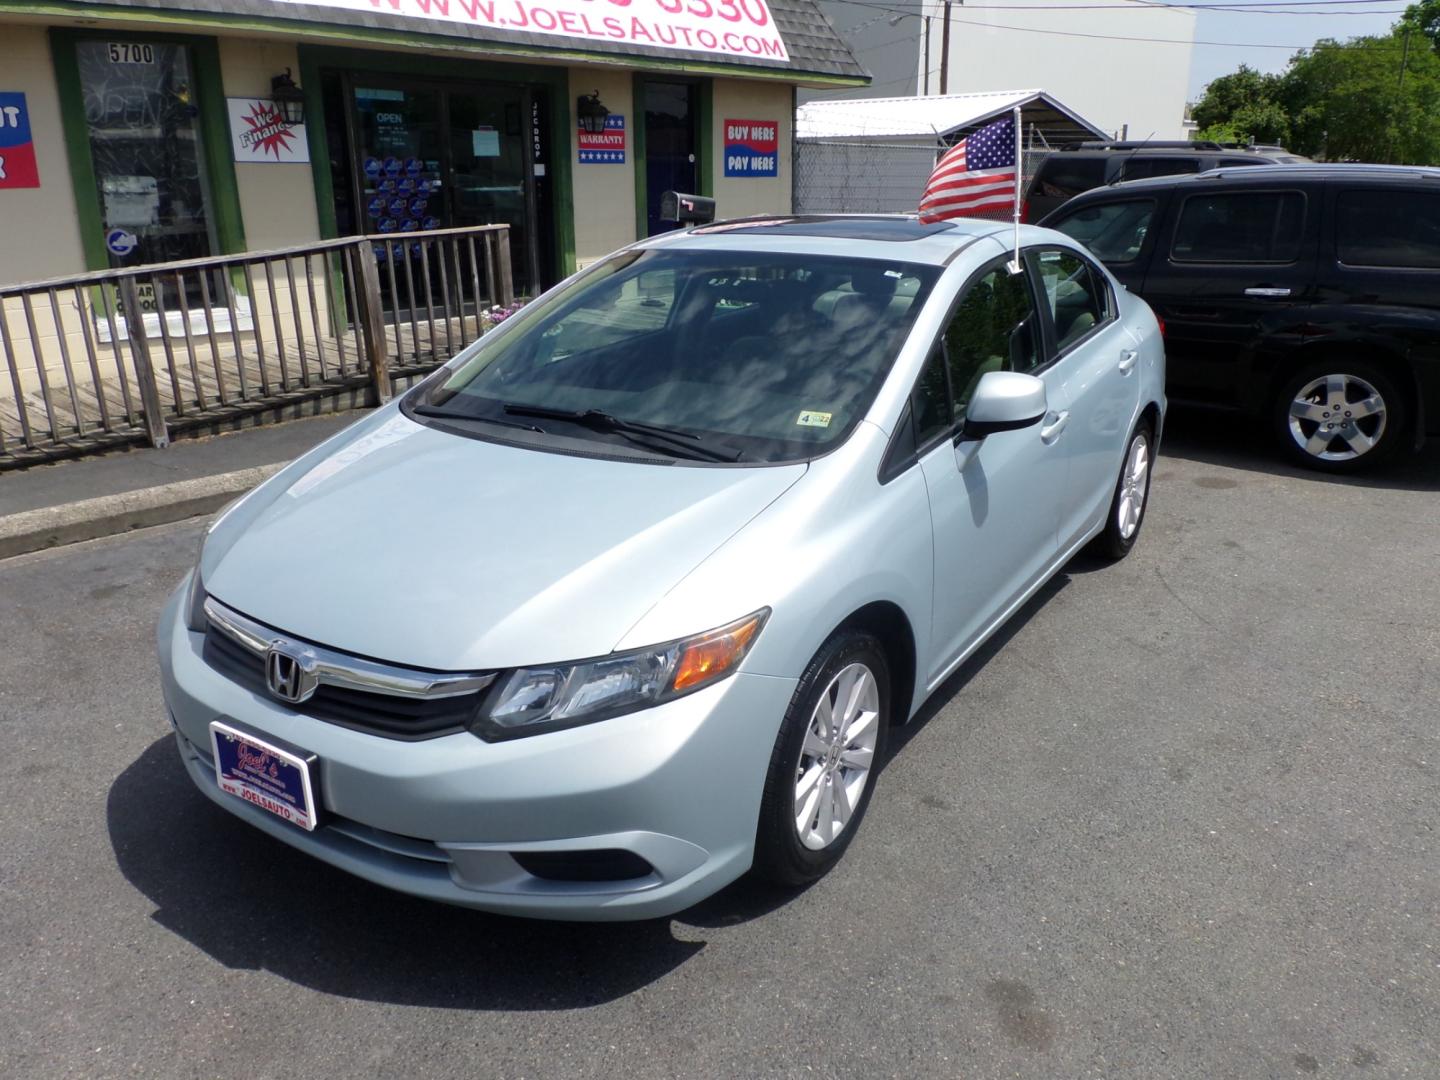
point(274, 778)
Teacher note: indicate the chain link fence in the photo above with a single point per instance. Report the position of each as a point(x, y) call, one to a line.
point(874, 177)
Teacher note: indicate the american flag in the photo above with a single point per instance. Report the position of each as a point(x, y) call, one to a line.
point(975, 177)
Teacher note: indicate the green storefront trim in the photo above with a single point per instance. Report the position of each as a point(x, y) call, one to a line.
point(554, 82)
point(361, 37)
point(224, 193)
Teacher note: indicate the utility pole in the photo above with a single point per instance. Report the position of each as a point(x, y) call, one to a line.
point(945, 50)
point(926, 64)
point(1404, 58)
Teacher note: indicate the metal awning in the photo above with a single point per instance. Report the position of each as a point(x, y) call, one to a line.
point(939, 118)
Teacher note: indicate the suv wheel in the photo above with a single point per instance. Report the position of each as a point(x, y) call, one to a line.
point(1339, 416)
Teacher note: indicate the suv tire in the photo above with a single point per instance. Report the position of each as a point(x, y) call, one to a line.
point(1339, 416)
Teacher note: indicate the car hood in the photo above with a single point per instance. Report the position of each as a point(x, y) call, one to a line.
point(424, 548)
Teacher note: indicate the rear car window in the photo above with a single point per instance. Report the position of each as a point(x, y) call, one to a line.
point(1062, 176)
point(1240, 227)
point(1078, 297)
point(1138, 168)
point(1114, 232)
point(1388, 228)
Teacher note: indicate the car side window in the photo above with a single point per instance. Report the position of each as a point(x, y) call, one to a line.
point(1388, 228)
point(1240, 227)
point(930, 401)
point(1138, 168)
point(992, 329)
point(1115, 232)
point(1077, 295)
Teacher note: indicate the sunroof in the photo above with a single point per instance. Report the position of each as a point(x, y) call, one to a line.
point(894, 229)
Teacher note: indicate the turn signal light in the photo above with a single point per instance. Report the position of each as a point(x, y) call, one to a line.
point(706, 658)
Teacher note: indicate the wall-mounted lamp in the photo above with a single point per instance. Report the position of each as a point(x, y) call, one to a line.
point(592, 113)
point(289, 99)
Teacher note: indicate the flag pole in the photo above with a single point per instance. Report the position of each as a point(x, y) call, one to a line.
point(1015, 266)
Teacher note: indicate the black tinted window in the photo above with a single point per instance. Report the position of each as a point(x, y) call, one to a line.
point(993, 329)
point(1114, 232)
point(1248, 227)
point(1389, 228)
point(1062, 176)
point(930, 402)
point(1137, 168)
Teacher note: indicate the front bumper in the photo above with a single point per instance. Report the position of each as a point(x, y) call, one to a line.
point(679, 786)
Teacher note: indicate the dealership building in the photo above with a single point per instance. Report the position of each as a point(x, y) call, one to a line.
point(136, 131)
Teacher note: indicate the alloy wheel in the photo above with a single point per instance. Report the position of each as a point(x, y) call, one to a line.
point(836, 756)
point(1134, 484)
point(1337, 417)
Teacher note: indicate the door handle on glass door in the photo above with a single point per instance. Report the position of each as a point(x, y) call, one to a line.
point(1266, 290)
point(1127, 359)
point(1055, 424)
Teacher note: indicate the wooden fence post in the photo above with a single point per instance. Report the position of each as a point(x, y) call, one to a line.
point(372, 320)
point(155, 428)
point(506, 284)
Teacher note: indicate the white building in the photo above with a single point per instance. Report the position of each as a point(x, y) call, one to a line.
point(1126, 68)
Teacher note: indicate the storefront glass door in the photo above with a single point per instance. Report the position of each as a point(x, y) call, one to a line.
point(671, 111)
point(434, 156)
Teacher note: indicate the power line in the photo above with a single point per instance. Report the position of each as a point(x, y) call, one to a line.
point(1158, 41)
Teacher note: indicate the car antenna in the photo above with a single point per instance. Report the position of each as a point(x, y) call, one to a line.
point(1133, 151)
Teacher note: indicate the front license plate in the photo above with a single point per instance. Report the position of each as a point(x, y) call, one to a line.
point(274, 778)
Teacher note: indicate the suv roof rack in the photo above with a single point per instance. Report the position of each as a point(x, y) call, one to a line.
point(1176, 144)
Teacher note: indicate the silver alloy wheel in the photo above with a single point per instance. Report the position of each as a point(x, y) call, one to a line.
point(836, 756)
point(1337, 417)
point(1133, 486)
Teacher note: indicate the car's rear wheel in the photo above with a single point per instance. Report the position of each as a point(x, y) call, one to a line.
point(1339, 416)
point(823, 768)
point(1132, 494)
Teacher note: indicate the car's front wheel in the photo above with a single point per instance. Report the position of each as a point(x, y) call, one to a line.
point(823, 767)
point(1339, 416)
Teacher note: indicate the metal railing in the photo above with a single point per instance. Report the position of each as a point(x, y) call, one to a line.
point(132, 355)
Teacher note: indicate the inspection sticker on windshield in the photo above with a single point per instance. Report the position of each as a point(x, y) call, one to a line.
point(814, 419)
point(274, 778)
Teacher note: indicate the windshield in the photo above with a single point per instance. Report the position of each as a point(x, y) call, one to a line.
point(712, 355)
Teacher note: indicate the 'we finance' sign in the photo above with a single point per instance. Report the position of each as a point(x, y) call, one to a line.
point(742, 28)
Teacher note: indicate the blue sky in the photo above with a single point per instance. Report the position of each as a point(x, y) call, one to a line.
point(1299, 28)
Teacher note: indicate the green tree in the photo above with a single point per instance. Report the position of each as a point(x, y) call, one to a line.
point(1348, 101)
point(1243, 106)
point(1424, 17)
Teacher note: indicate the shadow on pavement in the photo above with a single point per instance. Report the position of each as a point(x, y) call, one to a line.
point(1211, 437)
point(253, 903)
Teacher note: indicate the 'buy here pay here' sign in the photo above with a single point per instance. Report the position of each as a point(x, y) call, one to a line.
point(752, 148)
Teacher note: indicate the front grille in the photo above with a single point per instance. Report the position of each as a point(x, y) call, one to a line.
point(390, 715)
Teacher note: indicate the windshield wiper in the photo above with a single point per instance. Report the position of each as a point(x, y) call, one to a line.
point(686, 442)
point(438, 412)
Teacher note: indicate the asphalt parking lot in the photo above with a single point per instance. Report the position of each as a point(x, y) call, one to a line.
point(1180, 819)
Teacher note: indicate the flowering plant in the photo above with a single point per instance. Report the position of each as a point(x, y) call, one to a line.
point(496, 314)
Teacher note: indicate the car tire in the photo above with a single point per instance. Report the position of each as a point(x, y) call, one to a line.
point(819, 768)
point(1317, 400)
point(1131, 497)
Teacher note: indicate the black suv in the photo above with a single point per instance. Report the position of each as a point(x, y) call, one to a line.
point(1308, 295)
point(1067, 172)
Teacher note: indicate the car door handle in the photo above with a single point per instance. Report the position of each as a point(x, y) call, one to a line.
point(1051, 431)
point(1127, 359)
point(1266, 290)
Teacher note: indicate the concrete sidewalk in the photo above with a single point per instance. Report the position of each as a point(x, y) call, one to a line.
point(50, 505)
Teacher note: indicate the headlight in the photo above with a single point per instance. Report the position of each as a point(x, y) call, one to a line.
point(195, 598)
point(530, 701)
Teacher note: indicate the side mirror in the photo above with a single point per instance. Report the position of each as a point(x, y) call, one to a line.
point(1004, 401)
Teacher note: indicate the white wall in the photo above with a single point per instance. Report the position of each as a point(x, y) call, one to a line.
point(1113, 83)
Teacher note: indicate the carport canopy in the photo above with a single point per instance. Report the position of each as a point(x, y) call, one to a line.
point(945, 118)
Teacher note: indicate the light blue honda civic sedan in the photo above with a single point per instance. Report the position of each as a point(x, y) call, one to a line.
point(622, 602)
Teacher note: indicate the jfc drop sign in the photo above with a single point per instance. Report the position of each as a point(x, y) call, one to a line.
point(17, 146)
point(752, 148)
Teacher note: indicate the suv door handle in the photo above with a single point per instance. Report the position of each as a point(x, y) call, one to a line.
point(1127, 359)
point(1051, 431)
point(1266, 290)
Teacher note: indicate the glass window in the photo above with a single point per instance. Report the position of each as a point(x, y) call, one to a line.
point(1062, 176)
point(776, 355)
point(1137, 168)
point(992, 330)
point(930, 400)
point(1248, 227)
point(1114, 232)
point(1078, 297)
point(145, 143)
point(1389, 228)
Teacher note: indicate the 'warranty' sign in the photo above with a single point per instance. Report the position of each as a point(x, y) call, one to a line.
point(741, 28)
